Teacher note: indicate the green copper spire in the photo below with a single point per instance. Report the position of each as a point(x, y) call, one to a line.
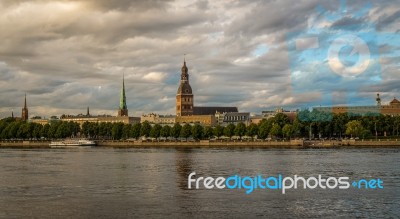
point(122, 100)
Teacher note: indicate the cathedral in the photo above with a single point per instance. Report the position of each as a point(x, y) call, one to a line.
point(186, 112)
point(184, 96)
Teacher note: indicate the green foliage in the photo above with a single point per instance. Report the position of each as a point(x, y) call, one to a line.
point(218, 131)
point(208, 132)
point(126, 131)
point(117, 130)
point(264, 128)
point(287, 130)
point(186, 131)
point(354, 128)
point(155, 131)
point(145, 129)
point(275, 130)
point(176, 130)
point(252, 130)
point(229, 130)
point(165, 131)
point(240, 130)
point(197, 131)
point(281, 119)
point(339, 126)
point(135, 130)
point(297, 126)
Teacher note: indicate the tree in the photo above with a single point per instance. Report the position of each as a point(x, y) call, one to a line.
point(62, 130)
point(37, 130)
point(126, 131)
point(176, 130)
point(339, 123)
point(240, 129)
point(218, 131)
point(208, 132)
point(145, 129)
point(396, 125)
point(281, 119)
point(135, 130)
point(197, 131)
point(275, 130)
point(297, 126)
point(45, 131)
point(229, 130)
point(86, 128)
point(117, 130)
point(287, 130)
point(354, 128)
point(105, 129)
point(53, 129)
point(186, 131)
point(264, 128)
point(165, 131)
point(252, 130)
point(155, 131)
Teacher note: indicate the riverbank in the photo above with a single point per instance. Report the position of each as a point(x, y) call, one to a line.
point(299, 144)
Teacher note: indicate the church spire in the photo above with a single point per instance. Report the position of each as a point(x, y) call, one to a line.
point(123, 110)
point(24, 114)
point(184, 71)
point(25, 102)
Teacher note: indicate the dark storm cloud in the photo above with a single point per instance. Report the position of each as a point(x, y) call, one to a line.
point(70, 54)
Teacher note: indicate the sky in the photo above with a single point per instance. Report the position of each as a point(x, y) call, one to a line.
point(70, 55)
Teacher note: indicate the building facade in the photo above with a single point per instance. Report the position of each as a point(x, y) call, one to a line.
point(158, 119)
point(292, 115)
point(392, 109)
point(80, 119)
point(224, 119)
point(205, 120)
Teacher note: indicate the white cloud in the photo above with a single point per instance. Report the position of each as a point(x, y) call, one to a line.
point(68, 55)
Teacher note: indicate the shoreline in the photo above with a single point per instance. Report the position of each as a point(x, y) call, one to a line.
point(292, 144)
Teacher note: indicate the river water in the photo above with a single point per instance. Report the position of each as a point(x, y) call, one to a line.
point(152, 183)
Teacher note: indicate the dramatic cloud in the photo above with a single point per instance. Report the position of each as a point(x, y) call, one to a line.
point(67, 55)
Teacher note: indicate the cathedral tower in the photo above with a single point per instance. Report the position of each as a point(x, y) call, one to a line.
point(24, 114)
point(123, 110)
point(184, 96)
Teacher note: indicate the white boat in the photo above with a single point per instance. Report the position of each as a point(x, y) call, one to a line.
point(72, 143)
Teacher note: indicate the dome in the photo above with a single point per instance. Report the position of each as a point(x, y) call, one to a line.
point(184, 68)
point(184, 88)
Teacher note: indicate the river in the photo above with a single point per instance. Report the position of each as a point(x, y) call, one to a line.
point(153, 183)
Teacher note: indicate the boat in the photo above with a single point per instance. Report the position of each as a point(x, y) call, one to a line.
point(72, 143)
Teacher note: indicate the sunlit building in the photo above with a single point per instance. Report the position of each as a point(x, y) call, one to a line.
point(393, 108)
point(186, 112)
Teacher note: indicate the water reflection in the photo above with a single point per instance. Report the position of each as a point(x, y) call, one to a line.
point(184, 166)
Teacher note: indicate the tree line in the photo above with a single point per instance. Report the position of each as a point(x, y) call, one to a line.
point(308, 124)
